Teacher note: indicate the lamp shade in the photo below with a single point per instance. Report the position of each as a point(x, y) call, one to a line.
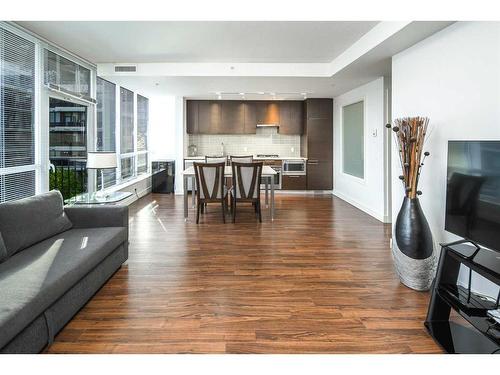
point(101, 160)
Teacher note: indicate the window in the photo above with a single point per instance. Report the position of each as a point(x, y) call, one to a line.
point(106, 126)
point(127, 167)
point(126, 121)
point(132, 136)
point(17, 116)
point(66, 74)
point(142, 134)
point(142, 163)
point(353, 139)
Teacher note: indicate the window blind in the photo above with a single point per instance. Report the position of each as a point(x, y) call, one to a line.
point(66, 74)
point(126, 121)
point(17, 110)
point(106, 126)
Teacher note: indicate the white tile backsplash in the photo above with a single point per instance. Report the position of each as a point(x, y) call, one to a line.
point(266, 141)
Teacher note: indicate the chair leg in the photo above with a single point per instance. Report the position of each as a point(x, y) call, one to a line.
point(234, 210)
point(254, 204)
point(260, 213)
point(223, 204)
point(198, 208)
point(202, 208)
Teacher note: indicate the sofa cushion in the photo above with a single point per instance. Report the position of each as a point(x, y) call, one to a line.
point(35, 278)
point(27, 221)
point(3, 249)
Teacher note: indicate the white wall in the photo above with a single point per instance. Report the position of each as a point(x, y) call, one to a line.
point(166, 132)
point(366, 194)
point(162, 127)
point(453, 78)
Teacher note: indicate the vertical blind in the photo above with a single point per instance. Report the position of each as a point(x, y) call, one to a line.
point(106, 125)
point(17, 116)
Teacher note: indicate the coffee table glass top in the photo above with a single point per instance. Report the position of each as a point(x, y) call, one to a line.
point(98, 198)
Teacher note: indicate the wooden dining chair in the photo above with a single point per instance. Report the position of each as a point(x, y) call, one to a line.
point(246, 185)
point(211, 188)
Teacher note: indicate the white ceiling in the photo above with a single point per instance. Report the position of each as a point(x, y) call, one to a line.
point(194, 41)
point(323, 59)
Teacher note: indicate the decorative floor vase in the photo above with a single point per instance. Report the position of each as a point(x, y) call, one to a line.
point(413, 249)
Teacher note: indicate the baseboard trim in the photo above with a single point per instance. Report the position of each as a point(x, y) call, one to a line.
point(359, 206)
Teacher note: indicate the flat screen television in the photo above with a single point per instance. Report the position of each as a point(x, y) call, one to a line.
point(473, 191)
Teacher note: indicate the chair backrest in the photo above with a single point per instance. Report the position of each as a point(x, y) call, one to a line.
point(209, 180)
point(241, 159)
point(216, 159)
point(246, 179)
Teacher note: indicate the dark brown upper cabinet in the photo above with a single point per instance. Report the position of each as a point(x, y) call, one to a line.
point(267, 112)
point(250, 118)
point(232, 117)
point(291, 117)
point(242, 117)
point(209, 117)
point(192, 117)
point(319, 108)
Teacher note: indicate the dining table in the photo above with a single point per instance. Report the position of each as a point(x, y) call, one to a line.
point(268, 174)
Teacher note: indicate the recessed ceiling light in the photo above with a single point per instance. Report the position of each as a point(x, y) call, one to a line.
point(303, 93)
point(261, 93)
point(242, 93)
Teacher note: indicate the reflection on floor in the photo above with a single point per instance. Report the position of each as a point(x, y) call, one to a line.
point(317, 279)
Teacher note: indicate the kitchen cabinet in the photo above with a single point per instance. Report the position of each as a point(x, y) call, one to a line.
point(232, 117)
point(319, 175)
point(192, 117)
point(267, 112)
point(209, 117)
point(250, 126)
point(242, 117)
point(317, 143)
point(293, 182)
point(291, 117)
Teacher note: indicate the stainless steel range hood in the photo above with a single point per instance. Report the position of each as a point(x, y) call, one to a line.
point(268, 125)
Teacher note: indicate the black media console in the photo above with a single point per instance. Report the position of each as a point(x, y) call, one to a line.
point(484, 336)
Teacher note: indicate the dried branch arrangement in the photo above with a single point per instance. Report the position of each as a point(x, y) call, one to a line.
point(410, 134)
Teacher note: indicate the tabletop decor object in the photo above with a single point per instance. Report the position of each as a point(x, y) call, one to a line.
point(412, 247)
point(101, 161)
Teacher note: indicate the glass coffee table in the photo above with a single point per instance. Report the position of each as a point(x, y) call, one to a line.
point(98, 198)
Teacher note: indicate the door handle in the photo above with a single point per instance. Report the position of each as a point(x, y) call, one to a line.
point(312, 161)
point(294, 176)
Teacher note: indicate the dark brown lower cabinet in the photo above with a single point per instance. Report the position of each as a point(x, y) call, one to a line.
point(319, 175)
point(294, 182)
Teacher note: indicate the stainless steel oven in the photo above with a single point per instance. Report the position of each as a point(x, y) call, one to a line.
point(294, 167)
point(276, 165)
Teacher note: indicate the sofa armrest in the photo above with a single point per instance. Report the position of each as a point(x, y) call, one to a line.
point(98, 216)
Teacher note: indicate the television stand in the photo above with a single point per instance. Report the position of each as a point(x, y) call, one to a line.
point(484, 336)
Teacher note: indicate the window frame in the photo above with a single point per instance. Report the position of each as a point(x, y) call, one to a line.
point(361, 180)
point(36, 166)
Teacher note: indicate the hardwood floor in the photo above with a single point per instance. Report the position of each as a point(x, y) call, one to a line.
point(319, 279)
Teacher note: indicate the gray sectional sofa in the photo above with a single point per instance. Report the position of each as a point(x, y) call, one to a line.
point(53, 259)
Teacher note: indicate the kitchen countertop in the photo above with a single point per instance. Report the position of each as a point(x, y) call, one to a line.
point(201, 157)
